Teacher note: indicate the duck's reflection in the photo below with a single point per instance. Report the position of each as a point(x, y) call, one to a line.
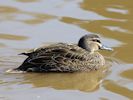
point(87, 81)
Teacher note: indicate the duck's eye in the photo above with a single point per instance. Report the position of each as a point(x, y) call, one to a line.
point(95, 40)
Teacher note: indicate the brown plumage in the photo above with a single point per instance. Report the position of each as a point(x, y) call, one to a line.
point(62, 57)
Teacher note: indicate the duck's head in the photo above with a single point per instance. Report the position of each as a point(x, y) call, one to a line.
point(92, 43)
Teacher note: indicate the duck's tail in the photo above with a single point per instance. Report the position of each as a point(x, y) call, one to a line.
point(15, 71)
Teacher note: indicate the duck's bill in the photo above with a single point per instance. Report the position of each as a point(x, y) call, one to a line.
point(106, 48)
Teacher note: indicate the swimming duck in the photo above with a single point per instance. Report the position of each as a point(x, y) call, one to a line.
point(62, 57)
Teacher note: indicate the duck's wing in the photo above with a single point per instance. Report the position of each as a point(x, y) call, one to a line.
point(57, 57)
point(43, 49)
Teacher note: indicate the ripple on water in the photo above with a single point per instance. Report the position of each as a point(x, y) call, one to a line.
point(27, 1)
point(127, 74)
point(8, 9)
point(30, 23)
point(12, 37)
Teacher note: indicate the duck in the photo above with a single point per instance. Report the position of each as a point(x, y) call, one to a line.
point(63, 57)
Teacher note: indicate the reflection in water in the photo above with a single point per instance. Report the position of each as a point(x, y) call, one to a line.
point(70, 81)
point(6, 12)
point(32, 22)
point(38, 18)
point(7, 9)
point(122, 11)
point(114, 87)
point(11, 13)
point(12, 37)
point(127, 74)
point(27, 1)
point(102, 6)
point(116, 29)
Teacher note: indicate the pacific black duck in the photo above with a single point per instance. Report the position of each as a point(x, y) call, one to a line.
point(62, 57)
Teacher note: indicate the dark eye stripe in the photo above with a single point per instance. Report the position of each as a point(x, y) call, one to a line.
point(95, 40)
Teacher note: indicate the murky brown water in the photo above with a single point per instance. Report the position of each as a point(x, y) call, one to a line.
point(25, 24)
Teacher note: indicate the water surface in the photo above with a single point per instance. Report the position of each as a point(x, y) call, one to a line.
point(27, 24)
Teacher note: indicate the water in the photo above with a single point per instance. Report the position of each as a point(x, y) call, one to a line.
point(27, 24)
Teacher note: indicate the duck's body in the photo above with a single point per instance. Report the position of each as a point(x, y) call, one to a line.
point(62, 57)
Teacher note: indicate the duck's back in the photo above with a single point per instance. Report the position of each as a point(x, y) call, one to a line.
point(61, 57)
